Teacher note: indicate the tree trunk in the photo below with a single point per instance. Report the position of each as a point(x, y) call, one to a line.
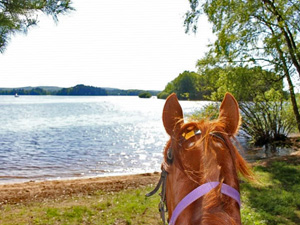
point(289, 80)
point(293, 100)
point(289, 39)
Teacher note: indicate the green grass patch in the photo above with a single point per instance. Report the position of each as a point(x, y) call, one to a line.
point(125, 207)
point(274, 200)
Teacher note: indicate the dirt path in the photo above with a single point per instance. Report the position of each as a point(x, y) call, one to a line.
point(37, 191)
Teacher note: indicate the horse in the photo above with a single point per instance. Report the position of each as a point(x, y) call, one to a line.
point(199, 178)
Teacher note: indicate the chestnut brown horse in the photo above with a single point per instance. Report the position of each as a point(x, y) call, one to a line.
point(200, 182)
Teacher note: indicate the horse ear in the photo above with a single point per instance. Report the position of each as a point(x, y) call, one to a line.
point(172, 114)
point(229, 114)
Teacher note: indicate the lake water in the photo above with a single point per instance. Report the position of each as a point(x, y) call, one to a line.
point(56, 137)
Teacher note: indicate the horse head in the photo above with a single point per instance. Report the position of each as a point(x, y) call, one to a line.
point(200, 155)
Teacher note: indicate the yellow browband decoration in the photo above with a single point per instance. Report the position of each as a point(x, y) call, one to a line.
point(190, 134)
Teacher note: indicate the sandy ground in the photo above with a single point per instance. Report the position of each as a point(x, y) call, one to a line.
point(37, 191)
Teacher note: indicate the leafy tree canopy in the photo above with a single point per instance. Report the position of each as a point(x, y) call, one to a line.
point(212, 83)
point(18, 15)
point(243, 82)
point(186, 86)
point(252, 31)
point(264, 33)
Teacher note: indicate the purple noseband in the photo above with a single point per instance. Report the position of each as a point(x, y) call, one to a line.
point(198, 193)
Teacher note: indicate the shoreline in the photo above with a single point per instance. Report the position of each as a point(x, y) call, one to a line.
point(58, 189)
point(22, 181)
point(43, 190)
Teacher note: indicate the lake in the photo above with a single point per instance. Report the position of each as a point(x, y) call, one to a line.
point(59, 137)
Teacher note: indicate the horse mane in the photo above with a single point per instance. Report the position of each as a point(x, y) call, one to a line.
point(213, 211)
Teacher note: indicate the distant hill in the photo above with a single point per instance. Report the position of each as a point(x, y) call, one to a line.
point(76, 90)
point(50, 88)
point(129, 92)
point(28, 88)
point(82, 90)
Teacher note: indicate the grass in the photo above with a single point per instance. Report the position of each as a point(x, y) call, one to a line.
point(125, 207)
point(274, 200)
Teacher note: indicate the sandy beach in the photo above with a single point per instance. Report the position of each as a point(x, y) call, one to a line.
point(57, 189)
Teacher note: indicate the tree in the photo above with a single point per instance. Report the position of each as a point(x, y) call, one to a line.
point(18, 15)
point(186, 86)
point(263, 32)
point(243, 82)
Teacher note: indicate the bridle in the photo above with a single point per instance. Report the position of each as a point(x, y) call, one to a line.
point(193, 195)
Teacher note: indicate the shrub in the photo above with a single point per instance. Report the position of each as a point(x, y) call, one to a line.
point(163, 95)
point(265, 120)
point(210, 111)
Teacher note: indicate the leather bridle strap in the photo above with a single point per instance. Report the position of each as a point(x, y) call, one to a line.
point(198, 193)
point(162, 205)
point(163, 176)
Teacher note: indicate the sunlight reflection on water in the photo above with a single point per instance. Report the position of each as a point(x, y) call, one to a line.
point(56, 137)
point(50, 137)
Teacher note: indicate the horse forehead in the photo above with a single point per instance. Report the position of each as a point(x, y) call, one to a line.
point(180, 184)
point(205, 126)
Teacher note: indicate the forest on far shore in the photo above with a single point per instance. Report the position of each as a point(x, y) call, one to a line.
point(243, 82)
point(78, 90)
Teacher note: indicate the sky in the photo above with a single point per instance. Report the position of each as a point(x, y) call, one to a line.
point(127, 44)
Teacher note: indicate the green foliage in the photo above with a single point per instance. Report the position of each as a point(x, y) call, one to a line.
point(244, 83)
point(76, 90)
point(130, 92)
point(212, 83)
point(82, 90)
point(145, 95)
point(22, 91)
point(267, 120)
point(163, 95)
point(253, 33)
point(210, 111)
point(289, 111)
point(187, 86)
point(18, 16)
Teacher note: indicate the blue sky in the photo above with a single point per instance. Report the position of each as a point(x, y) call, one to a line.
point(121, 44)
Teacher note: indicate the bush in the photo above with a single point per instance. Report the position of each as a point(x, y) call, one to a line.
point(267, 119)
point(163, 95)
point(210, 111)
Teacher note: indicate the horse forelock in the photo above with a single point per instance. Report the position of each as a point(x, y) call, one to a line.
point(211, 147)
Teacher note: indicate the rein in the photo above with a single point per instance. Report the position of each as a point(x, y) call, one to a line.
point(193, 195)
